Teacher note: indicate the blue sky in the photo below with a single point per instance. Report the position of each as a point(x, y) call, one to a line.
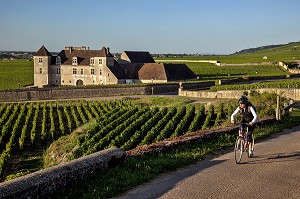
point(157, 26)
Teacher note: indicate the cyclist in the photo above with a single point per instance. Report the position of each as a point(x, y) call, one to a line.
point(249, 116)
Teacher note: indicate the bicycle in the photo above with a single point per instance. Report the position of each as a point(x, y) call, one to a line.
point(241, 144)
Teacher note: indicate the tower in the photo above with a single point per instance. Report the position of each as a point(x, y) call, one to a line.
point(42, 60)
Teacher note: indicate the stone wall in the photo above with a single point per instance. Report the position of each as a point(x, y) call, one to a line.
point(94, 91)
point(45, 182)
point(235, 94)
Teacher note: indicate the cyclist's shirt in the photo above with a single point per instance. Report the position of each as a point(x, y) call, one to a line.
point(248, 113)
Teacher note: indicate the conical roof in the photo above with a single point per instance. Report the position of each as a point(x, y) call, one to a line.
point(42, 52)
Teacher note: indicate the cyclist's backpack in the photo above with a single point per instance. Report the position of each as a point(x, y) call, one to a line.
point(250, 104)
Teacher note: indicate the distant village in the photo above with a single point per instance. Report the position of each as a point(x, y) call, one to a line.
point(15, 55)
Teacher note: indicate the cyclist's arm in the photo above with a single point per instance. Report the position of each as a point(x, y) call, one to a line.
point(255, 118)
point(234, 113)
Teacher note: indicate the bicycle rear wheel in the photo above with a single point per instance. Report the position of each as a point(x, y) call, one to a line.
point(238, 149)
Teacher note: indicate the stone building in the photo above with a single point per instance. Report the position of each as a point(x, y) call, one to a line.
point(76, 66)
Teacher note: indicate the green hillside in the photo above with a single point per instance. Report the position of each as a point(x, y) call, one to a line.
point(286, 52)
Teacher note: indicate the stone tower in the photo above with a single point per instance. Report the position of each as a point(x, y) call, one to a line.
point(42, 60)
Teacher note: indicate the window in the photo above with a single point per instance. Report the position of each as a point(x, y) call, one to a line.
point(92, 61)
point(100, 62)
point(58, 60)
point(92, 71)
point(81, 71)
point(74, 61)
point(100, 72)
point(74, 71)
point(41, 70)
point(40, 60)
point(58, 71)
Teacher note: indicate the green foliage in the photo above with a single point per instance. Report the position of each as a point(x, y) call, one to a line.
point(184, 124)
point(198, 119)
point(35, 125)
point(273, 84)
point(156, 131)
point(13, 72)
point(213, 72)
point(208, 120)
point(220, 115)
point(265, 103)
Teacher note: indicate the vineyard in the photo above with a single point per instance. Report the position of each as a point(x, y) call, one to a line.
point(15, 72)
point(118, 123)
point(294, 83)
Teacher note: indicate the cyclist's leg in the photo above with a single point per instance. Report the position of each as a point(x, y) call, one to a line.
point(250, 139)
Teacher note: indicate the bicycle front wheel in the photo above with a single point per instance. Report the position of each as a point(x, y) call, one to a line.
point(238, 149)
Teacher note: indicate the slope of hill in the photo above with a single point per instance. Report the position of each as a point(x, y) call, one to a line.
point(281, 52)
point(272, 53)
point(252, 50)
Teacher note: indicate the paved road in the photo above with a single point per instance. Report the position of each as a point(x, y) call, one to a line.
point(274, 172)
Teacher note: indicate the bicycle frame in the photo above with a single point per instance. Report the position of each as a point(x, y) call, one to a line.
point(241, 144)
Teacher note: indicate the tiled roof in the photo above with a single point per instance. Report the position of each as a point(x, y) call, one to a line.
point(117, 70)
point(42, 52)
point(83, 56)
point(158, 71)
point(131, 70)
point(152, 70)
point(139, 57)
point(178, 72)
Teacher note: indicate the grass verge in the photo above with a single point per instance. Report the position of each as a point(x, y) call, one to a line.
point(138, 170)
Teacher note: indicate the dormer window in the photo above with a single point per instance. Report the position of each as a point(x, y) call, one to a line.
point(100, 62)
point(92, 61)
point(58, 60)
point(74, 61)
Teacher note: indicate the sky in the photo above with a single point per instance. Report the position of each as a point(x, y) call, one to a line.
point(157, 26)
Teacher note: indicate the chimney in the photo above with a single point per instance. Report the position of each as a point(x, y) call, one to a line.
point(107, 50)
point(70, 48)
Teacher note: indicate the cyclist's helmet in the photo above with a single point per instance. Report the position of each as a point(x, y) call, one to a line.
point(243, 100)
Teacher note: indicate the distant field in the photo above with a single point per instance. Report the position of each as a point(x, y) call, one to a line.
point(211, 71)
point(13, 72)
point(283, 53)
